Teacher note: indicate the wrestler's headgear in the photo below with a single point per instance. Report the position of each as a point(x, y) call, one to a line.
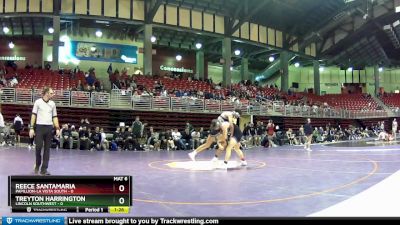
point(215, 124)
point(237, 113)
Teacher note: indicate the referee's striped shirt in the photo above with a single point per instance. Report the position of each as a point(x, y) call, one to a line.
point(44, 111)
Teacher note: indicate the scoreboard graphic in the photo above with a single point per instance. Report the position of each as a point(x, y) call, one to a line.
point(86, 194)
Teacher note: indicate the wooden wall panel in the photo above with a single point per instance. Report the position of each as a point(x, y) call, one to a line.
point(159, 17)
point(81, 7)
point(244, 31)
point(263, 34)
point(94, 7)
point(47, 6)
point(254, 32)
point(279, 38)
point(124, 9)
point(66, 6)
point(138, 10)
point(208, 22)
point(9, 8)
point(271, 36)
point(313, 50)
point(184, 17)
point(219, 24)
point(21, 6)
point(197, 22)
point(110, 8)
point(171, 15)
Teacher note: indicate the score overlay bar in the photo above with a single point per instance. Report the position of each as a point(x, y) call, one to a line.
point(69, 193)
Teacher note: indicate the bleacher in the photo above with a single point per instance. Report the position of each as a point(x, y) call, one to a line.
point(391, 100)
point(38, 78)
point(170, 84)
point(345, 101)
point(109, 119)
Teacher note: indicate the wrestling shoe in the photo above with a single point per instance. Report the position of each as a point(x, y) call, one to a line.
point(192, 155)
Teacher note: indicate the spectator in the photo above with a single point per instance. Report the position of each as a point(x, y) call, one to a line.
point(270, 132)
point(196, 138)
point(187, 138)
point(189, 126)
point(176, 136)
point(84, 139)
point(18, 127)
point(95, 139)
point(66, 137)
point(137, 128)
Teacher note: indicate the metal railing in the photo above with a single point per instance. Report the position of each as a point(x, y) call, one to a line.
point(23, 96)
point(80, 99)
point(123, 99)
point(100, 100)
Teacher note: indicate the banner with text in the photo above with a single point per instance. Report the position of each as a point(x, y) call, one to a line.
point(104, 52)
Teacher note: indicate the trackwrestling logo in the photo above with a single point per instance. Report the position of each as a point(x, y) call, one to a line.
point(33, 220)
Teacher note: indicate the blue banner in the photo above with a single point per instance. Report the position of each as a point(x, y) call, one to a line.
point(104, 52)
point(12, 220)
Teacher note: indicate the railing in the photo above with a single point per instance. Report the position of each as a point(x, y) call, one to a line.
point(395, 111)
point(23, 96)
point(122, 99)
point(8, 95)
point(307, 111)
point(211, 105)
point(80, 99)
point(142, 103)
point(100, 100)
point(161, 103)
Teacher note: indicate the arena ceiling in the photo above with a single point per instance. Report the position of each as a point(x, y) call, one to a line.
point(347, 32)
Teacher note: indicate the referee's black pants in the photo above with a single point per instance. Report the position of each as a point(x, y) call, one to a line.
point(44, 134)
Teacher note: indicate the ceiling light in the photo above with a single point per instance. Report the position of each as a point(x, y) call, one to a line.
point(51, 30)
point(99, 33)
point(6, 30)
point(271, 59)
point(178, 57)
point(11, 45)
point(153, 39)
point(198, 45)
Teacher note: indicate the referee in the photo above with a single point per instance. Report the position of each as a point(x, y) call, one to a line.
point(44, 116)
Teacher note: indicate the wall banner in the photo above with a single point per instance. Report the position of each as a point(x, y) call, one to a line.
point(104, 52)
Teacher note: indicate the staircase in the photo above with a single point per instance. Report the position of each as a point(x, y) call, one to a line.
point(274, 67)
point(387, 109)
